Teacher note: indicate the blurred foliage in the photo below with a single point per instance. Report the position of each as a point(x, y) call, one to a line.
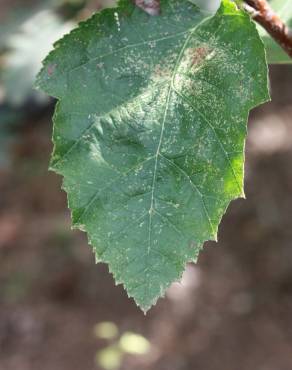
point(111, 357)
point(26, 49)
point(27, 33)
point(106, 330)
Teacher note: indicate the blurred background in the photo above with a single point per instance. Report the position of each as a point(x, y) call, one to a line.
point(60, 311)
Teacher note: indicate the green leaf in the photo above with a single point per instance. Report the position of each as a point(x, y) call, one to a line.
point(275, 54)
point(149, 132)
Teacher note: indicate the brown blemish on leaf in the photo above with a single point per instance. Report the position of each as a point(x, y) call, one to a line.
point(199, 54)
point(161, 71)
point(51, 69)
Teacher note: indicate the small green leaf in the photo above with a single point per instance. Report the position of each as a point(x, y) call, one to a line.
point(149, 132)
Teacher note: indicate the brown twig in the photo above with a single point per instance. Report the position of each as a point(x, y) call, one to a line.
point(267, 18)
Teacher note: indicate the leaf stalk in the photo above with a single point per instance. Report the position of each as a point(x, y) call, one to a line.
point(262, 13)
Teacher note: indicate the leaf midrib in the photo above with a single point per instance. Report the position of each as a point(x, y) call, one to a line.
point(151, 208)
point(171, 89)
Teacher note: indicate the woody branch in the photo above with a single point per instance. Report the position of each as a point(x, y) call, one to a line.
point(262, 13)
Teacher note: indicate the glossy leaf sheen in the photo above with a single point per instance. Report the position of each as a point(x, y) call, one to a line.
point(149, 132)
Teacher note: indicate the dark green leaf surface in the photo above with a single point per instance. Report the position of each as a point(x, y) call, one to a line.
point(149, 132)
